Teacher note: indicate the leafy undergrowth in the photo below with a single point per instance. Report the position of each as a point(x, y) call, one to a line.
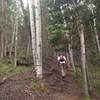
point(9, 70)
point(94, 70)
point(78, 77)
point(95, 85)
point(95, 81)
point(38, 86)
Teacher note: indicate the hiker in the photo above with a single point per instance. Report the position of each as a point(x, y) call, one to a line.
point(62, 60)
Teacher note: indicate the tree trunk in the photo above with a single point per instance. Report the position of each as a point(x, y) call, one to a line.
point(83, 60)
point(16, 40)
point(71, 54)
point(44, 13)
point(33, 34)
point(70, 50)
point(26, 25)
point(38, 39)
point(12, 43)
point(2, 45)
point(2, 35)
point(95, 30)
point(96, 35)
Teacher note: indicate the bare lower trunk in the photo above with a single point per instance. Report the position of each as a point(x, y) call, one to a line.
point(2, 34)
point(16, 40)
point(96, 35)
point(5, 45)
point(71, 55)
point(68, 60)
point(12, 44)
point(38, 40)
point(11, 55)
point(95, 30)
point(44, 13)
point(28, 48)
point(83, 60)
point(70, 51)
point(2, 45)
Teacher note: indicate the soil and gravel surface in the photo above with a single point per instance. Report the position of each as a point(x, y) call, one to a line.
point(17, 87)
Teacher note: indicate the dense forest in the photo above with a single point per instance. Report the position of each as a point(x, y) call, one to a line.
point(33, 33)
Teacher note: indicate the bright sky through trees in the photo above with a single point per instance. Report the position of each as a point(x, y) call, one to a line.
point(25, 2)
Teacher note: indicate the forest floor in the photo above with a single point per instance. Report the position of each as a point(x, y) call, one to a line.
point(19, 86)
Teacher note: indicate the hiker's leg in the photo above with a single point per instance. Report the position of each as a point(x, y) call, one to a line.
point(62, 70)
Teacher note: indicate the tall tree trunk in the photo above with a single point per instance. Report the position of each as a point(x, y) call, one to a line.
point(5, 45)
point(68, 59)
point(12, 43)
point(16, 40)
point(96, 35)
point(71, 54)
point(44, 13)
point(2, 45)
point(26, 24)
point(33, 34)
point(5, 36)
point(2, 34)
point(83, 60)
point(70, 50)
point(93, 35)
point(38, 40)
point(80, 29)
point(95, 29)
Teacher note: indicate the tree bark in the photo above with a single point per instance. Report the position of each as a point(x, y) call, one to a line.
point(33, 34)
point(26, 26)
point(38, 40)
point(71, 54)
point(95, 29)
point(12, 43)
point(2, 45)
point(83, 60)
point(2, 36)
point(16, 40)
point(44, 13)
point(96, 35)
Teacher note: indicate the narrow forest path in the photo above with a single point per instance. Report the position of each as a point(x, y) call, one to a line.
point(61, 88)
point(17, 87)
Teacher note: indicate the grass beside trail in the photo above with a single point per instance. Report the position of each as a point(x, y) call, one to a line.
point(7, 70)
point(94, 83)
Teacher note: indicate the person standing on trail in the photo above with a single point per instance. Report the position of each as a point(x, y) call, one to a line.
point(62, 60)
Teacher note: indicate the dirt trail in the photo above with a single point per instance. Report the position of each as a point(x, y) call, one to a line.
point(17, 88)
point(60, 88)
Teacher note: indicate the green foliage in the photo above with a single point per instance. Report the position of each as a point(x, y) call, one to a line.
point(9, 70)
point(96, 85)
point(78, 77)
point(94, 73)
point(84, 98)
point(36, 86)
point(94, 70)
point(55, 33)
